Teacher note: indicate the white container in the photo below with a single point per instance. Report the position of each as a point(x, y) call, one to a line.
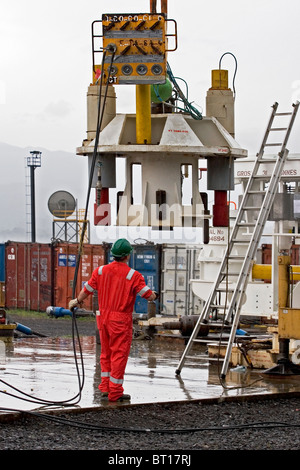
point(179, 264)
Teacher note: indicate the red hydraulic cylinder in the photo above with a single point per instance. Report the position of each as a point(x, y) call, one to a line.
point(102, 211)
point(220, 210)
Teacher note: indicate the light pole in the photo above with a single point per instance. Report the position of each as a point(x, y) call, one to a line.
point(33, 162)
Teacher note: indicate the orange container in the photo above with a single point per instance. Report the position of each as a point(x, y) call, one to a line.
point(295, 255)
point(65, 257)
point(2, 294)
point(28, 275)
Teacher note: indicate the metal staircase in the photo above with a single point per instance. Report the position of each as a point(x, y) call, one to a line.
point(227, 293)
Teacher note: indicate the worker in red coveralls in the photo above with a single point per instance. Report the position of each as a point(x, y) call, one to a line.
point(117, 285)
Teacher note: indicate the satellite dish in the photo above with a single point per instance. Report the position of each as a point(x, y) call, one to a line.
point(61, 204)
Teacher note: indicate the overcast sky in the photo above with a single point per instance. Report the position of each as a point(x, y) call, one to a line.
point(46, 64)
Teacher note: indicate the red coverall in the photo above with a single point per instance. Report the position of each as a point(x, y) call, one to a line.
point(117, 285)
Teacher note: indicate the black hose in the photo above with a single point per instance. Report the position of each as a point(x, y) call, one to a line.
point(77, 397)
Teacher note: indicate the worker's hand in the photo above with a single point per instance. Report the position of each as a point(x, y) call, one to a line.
point(156, 294)
point(74, 303)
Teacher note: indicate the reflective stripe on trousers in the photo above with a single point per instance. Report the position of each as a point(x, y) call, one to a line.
point(116, 381)
point(112, 379)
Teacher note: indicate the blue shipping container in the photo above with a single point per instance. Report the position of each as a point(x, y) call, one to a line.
point(146, 259)
point(2, 262)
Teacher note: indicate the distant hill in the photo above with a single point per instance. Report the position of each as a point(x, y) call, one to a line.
point(59, 171)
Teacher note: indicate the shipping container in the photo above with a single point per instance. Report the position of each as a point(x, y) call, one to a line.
point(28, 276)
point(2, 275)
point(266, 253)
point(146, 259)
point(64, 262)
point(2, 294)
point(295, 255)
point(179, 264)
point(2, 262)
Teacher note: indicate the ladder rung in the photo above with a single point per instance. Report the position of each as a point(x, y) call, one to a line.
point(218, 325)
point(266, 160)
point(283, 114)
point(224, 289)
point(217, 307)
point(273, 145)
point(198, 341)
point(246, 224)
point(256, 192)
point(252, 208)
point(236, 240)
point(279, 129)
point(230, 274)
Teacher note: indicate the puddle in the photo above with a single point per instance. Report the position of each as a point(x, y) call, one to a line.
point(45, 369)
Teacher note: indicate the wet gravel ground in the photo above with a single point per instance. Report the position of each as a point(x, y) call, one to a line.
point(186, 427)
point(182, 428)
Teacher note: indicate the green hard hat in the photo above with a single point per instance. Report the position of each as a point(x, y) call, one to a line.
point(121, 248)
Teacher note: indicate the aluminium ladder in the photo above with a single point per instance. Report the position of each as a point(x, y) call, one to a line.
point(227, 293)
